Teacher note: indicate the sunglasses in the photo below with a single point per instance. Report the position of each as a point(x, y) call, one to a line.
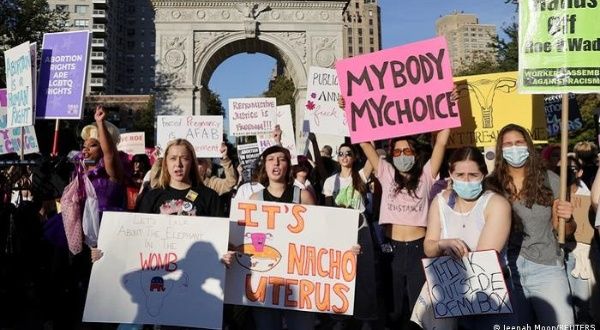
point(406, 151)
point(347, 154)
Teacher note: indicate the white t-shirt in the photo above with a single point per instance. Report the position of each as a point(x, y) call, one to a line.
point(336, 184)
point(247, 189)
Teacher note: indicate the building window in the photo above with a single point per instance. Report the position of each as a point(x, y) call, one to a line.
point(360, 50)
point(371, 31)
point(62, 8)
point(372, 49)
point(130, 32)
point(371, 41)
point(360, 41)
point(141, 44)
point(81, 22)
point(81, 9)
point(359, 31)
point(356, 5)
point(370, 21)
point(370, 13)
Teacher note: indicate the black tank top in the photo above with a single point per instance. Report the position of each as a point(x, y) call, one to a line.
point(286, 197)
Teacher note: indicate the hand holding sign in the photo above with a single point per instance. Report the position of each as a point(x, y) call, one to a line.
point(455, 248)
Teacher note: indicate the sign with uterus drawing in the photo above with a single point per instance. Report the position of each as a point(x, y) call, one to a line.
point(489, 102)
point(159, 269)
point(292, 256)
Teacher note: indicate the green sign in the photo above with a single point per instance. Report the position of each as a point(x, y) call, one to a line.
point(559, 46)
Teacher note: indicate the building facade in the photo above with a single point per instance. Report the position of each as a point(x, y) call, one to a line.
point(362, 27)
point(122, 53)
point(468, 40)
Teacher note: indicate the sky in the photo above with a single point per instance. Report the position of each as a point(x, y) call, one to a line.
point(402, 22)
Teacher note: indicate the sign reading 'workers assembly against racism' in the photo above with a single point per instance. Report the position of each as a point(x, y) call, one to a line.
point(321, 108)
point(205, 133)
point(286, 257)
point(63, 73)
point(10, 138)
point(399, 91)
point(468, 286)
point(159, 269)
point(489, 102)
point(251, 116)
point(19, 86)
point(559, 42)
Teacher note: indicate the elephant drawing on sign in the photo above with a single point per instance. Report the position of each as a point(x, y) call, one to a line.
point(485, 90)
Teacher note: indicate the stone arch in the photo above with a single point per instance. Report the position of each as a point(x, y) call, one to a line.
point(231, 44)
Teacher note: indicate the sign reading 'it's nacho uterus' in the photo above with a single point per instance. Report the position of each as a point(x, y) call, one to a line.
point(286, 257)
point(398, 91)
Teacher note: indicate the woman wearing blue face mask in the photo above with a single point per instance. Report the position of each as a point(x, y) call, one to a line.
point(541, 290)
point(469, 218)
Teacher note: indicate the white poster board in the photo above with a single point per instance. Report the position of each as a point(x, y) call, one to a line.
point(251, 116)
point(158, 269)
point(470, 286)
point(133, 143)
point(19, 86)
point(283, 118)
point(321, 108)
point(205, 133)
point(10, 138)
point(286, 257)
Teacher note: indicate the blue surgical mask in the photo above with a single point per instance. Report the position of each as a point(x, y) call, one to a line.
point(467, 189)
point(404, 163)
point(515, 156)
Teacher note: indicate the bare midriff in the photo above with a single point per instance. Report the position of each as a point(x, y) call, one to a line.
point(404, 233)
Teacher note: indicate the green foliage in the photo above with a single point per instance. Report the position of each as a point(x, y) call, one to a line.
point(145, 122)
point(282, 88)
point(215, 106)
point(26, 20)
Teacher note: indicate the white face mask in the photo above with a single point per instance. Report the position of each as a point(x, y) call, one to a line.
point(515, 156)
point(404, 163)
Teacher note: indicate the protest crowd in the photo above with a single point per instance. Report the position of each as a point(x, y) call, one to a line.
point(426, 213)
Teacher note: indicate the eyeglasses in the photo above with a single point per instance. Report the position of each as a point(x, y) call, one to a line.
point(406, 151)
point(347, 154)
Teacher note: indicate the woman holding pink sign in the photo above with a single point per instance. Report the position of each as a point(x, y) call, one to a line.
point(406, 181)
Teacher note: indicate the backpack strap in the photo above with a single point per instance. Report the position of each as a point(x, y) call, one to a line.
point(297, 193)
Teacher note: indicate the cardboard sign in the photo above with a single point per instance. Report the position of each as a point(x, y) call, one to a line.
point(553, 109)
point(398, 91)
point(489, 102)
point(63, 74)
point(286, 257)
point(559, 43)
point(252, 116)
point(283, 118)
point(321, 108)
point(19, 86)
point(10, 138)
point(581, 213)
point(158, 269)
point(205, 133)
point(470, 286)
point(247, 155)
point(133, 143)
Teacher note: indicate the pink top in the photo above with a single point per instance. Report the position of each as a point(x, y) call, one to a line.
point(402, 208)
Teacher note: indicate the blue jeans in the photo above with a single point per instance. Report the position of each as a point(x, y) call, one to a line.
point(271, 319)
point(581, 292)
point(541, 293)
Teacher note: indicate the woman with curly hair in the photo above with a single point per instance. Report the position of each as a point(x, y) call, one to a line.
point(535, 259)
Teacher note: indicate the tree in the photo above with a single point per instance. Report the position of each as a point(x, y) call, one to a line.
point(283, 89)
point(215, 106)
point(26, 20)
point(146, 121)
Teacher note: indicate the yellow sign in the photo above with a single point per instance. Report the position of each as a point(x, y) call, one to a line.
point(489, 102)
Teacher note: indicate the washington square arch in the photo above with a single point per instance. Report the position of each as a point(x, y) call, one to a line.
point(194, 36)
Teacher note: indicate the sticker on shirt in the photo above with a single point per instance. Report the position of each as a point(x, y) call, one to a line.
point(178, 207)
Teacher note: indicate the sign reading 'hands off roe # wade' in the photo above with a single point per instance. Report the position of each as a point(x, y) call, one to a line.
point(398, 91)
point(559, 46)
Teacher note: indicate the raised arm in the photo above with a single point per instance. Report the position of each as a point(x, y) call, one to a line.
point(319, 165)
point(439, 148)
point(112, 163)
point(497, 224)
point(372, 156)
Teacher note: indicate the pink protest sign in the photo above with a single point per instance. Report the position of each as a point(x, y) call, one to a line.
point(398, 91)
